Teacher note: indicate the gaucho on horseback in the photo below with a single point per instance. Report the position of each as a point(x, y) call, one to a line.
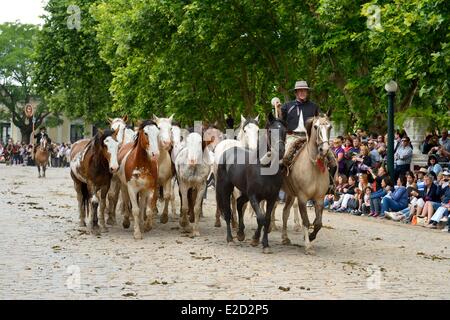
point(292, 112)
point(41, 134)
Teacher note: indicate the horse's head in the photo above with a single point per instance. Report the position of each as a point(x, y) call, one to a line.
point(319, 130)
point(106, 142)
point(248, 132)
point(147, 138)
point(276, 131)
point(165, 131)
point(196, 150)
point(43, 143)
point(119, 125)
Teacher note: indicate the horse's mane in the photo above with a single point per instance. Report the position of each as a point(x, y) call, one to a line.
point(248, 121)
point(141, 127)
point(102, 135)
point(147, 123)
point(276, 120)
point(308, 125)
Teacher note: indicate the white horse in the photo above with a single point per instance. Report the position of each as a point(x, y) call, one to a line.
point(165, 173)
point(125, 134)
point(192, 166)
point(247, 138)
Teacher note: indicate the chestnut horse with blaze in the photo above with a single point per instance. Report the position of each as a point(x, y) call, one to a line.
point(138, 174)
point(92, 165)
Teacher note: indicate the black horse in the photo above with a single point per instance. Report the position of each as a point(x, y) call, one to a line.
point(257, 179)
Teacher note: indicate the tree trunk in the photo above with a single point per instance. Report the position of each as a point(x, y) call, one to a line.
point(409, 96)
point(25, 131)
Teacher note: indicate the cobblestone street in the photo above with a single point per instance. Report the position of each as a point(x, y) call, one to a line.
point(45, 255)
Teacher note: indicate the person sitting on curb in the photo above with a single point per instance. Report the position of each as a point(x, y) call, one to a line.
point(398, 200)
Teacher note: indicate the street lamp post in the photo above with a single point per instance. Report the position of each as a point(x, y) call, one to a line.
point(391, 88)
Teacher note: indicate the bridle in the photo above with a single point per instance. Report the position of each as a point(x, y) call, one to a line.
point(43, 144)
point(320, 140)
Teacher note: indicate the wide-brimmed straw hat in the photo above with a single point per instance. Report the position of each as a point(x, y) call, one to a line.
point(423, 170)
point(301, 85)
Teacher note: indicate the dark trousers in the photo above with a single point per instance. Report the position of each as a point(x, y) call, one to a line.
point(400, 170)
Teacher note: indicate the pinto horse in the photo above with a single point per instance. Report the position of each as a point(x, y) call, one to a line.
point(92, 165)
point(41, 157)
point(138, 174)
point(124, 136)
point(242, 169)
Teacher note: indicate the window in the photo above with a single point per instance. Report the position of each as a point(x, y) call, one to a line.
point(5, 132)
point(76, 132)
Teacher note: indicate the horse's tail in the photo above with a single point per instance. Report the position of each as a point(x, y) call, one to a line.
point(85, 195)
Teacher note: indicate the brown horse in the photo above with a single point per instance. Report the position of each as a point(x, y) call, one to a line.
point(92, 165)
point(41, 157)
point(309, 179)
point(138, 174)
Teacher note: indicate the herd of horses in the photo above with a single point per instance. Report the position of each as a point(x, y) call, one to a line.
point(143, 165)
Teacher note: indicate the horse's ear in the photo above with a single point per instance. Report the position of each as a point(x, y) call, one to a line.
point(110, 120)
point(155, 118)
point(257, 118)
point(125, 118)
point(243, 119)
point(171, 117)
point(99, 134)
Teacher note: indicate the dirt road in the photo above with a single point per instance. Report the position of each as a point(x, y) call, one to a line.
point(44, 254)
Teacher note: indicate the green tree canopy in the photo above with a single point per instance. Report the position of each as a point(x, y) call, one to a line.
point(16, 66)
point(201, 59)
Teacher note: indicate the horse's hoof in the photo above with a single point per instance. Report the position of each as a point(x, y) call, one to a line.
point(267, 250)
point(286, 241)
point(187, 228)
point(217, 224)
point(195, 234)
point(183, 223)
point(255, 242)
point(138, 236)
point(103, 229)
point(111, 222)
point(241, 236)
point(164, 218)
point(310, 251)
point(82, 224)
point(126, 224)
point(231, 242)
point(297, 228)
point(148, 227)
point(95, 231)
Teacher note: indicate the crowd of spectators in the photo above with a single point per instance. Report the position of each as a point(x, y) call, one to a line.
point(14, 153)
point(364, 187)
